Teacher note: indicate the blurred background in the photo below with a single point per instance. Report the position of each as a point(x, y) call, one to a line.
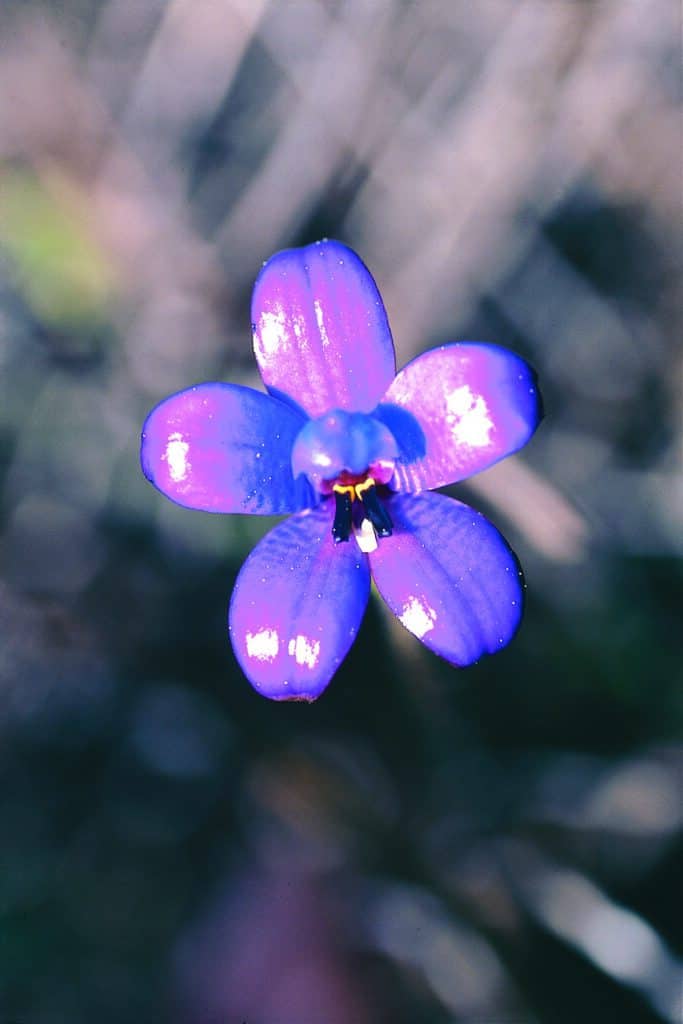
point(499, 845)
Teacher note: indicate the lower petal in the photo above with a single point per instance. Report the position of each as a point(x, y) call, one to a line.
point(449, 576)
point(297, 606)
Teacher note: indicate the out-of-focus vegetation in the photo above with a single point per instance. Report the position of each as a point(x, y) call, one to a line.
point(61, 272)
point(500, 844)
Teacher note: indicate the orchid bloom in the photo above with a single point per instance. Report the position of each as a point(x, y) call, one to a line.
point(353, 450)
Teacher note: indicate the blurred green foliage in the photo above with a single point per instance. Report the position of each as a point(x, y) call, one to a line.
point(63, 273)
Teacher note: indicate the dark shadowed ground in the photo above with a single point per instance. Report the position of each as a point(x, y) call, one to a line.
point(499, 845)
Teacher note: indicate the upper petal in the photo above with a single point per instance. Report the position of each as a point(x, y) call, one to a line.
point(297, 606)
point(457, 410)
point(449, 576)
point(321, 334)
point(225, 448)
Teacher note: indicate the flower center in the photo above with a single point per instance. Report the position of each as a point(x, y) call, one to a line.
point(349, 455)
point(372, 513)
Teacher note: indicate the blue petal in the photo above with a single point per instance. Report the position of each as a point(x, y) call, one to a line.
point(457, 410)
point(449, 576)
point(297, 606)
point(321, 335)
point(225, 448)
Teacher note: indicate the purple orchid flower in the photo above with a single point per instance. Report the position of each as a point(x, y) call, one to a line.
point(352, 449)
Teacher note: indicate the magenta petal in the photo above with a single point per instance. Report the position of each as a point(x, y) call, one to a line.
point(449, 576)
point(225, 448)
point(321, 335)
point(470, 405)
point(297, 606)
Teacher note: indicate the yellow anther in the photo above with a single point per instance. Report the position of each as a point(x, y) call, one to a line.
point(365, 486)
point(345, 489)
point(354, 490)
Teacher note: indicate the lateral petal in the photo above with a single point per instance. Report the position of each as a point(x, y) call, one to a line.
point(457, 410)
point(225, 448)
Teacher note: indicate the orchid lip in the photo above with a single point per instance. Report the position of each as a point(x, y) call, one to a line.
point(347, 455)
point(341, 528)
point(371, 519)
point(375, 511)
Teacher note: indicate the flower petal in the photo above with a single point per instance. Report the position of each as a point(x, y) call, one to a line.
point(457, 410)
point(225, 448)
point(449, 576)
point(297, 606)
point(321, 334)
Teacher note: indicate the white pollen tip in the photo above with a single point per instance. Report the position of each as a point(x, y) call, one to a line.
point(366, 537)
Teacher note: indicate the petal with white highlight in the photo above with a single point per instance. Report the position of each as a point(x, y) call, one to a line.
point(467, 418)
point(417, 616)
point(449, 577)
point(225, 448)
point(297, 606)
point(263, 645)
point(457, 410)
point(321, 334)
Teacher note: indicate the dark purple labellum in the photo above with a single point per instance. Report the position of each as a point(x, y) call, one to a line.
point(375, 511)
point(341, 528)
